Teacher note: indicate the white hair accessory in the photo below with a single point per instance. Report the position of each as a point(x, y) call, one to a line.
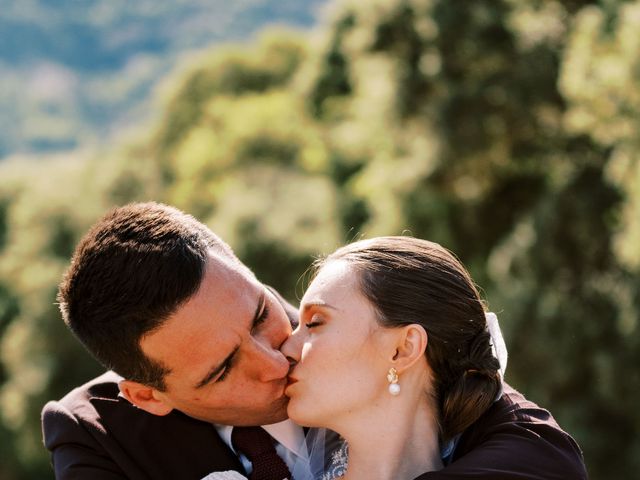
point(498, 347)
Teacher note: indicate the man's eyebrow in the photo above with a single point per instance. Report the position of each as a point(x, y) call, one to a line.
point(213, 373)
point(257, 316)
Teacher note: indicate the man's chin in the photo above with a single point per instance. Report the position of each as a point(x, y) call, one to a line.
point(257, 420)
point(279, 412)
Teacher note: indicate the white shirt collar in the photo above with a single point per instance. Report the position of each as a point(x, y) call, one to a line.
point(290, 435)
point(287, 433)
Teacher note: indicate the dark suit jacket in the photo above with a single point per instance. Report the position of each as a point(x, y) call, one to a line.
point(95, 434)
point(514, 439)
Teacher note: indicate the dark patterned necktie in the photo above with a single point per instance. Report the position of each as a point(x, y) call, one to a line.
point(257, 445)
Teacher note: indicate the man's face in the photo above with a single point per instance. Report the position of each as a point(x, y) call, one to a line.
point(222, 350)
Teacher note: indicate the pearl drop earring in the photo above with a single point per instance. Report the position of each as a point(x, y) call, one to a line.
point(394, 387)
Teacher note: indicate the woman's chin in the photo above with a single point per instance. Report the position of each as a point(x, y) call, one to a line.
point(300, 415)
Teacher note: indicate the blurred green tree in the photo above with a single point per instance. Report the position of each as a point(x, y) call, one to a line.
point(487, 126)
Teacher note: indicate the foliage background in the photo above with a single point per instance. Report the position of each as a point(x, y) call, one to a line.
point(75, 72)
point(506, 130)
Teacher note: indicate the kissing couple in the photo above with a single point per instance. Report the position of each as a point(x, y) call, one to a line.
point(390, 369)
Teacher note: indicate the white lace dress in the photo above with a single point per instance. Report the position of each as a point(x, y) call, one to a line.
point(337, 464)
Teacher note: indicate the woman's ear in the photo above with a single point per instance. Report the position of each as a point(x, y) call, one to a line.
point(410, 347)
point(147, 398)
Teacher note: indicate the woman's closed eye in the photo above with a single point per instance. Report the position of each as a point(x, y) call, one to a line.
point(314, 322)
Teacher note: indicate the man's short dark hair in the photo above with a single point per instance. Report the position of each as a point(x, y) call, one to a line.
point(128, 274)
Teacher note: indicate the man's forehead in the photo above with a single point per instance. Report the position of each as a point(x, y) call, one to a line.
point(211, 321)
point(226, 277)
point(216, 257)
point(227, 294)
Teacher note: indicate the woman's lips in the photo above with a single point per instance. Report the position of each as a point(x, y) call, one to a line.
point(290, 381)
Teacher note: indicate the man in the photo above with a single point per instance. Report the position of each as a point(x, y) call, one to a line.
point(194, 338)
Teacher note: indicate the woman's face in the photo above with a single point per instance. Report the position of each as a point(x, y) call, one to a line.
point(342, 354)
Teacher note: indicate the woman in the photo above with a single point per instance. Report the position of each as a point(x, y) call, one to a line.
point(393, 352)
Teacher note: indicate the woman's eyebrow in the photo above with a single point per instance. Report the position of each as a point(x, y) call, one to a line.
point(316, 303)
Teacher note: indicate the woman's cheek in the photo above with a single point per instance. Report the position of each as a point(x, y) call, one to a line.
point(307, 348)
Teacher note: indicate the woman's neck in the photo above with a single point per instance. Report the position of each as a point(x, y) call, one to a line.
point(396, 439)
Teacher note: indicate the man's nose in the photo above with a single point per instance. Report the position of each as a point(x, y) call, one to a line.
point(270, 364)
point(292, 347)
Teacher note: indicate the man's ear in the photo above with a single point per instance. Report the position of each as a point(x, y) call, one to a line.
point(144, 397)
point(410, 347)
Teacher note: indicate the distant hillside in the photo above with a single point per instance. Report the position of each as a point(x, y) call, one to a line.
point(73, 72)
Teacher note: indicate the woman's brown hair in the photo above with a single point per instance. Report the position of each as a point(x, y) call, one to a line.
point(413, 281)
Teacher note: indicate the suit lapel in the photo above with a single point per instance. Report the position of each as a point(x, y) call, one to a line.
point(172, 446)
